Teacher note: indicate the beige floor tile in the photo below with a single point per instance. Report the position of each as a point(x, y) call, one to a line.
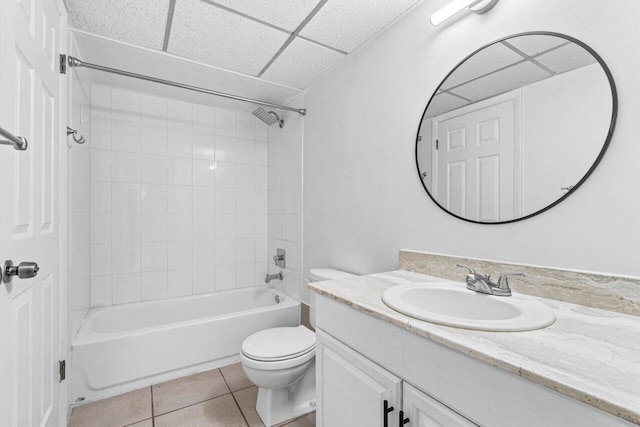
point(117, 411)
point(235, 377)
point(246, 399)
point(145, 423)
point(308, 420)
point(186, 391)
point(218, 412)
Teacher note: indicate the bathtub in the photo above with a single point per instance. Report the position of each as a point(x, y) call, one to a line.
point(125, 347)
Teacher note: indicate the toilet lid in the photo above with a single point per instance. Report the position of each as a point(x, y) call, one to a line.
point(279, 343)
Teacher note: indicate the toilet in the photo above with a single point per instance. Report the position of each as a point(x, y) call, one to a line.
point(281, 362)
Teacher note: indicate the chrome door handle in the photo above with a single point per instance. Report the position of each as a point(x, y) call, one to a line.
point(24, 270)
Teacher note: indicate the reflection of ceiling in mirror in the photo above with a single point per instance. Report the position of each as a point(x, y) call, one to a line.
point(505, 66)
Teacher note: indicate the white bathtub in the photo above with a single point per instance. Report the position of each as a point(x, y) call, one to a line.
point(126, 347)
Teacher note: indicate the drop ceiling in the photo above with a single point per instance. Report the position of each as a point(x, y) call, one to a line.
point(289, 42)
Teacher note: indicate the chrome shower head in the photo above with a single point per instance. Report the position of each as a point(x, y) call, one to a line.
point(269, 117)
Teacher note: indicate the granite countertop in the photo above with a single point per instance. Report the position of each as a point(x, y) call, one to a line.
point(588, 354)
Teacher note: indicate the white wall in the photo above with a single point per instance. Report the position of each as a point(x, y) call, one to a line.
point(178, 198)
point(362, 197)
point(285, 200)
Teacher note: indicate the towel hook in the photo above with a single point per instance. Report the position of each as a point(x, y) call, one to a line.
point(74, 132)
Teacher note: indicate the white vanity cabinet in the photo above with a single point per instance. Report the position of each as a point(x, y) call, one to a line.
point(354, 391)
point(363, 360)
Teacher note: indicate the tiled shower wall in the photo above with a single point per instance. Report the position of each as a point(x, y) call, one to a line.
point(178, 198)
point(285, 201)
point(79, 206)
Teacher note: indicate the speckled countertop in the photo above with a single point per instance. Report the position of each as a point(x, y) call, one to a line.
point(588, 354)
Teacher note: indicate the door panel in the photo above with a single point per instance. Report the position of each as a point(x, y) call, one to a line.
point(30, 37)
point(424, 411)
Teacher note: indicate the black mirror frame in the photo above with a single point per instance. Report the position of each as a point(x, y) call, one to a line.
point(612, 125)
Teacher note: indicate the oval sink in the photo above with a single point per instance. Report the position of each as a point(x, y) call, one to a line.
point(452, 304)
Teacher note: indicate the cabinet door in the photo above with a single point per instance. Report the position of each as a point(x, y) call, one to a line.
point(424, 411)
point(351, 389)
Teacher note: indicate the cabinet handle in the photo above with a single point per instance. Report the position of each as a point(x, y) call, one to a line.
point(385, 412)
point(401, 419)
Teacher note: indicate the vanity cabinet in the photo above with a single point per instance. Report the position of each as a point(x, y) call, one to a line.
point(354, 391)
point(363, 360)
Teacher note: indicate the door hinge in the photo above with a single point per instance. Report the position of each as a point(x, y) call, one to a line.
point(62, 370)
point(419, 138)
point(437, 144)
point(63, 64)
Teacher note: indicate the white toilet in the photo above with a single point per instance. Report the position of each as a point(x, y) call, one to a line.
point(281, 362)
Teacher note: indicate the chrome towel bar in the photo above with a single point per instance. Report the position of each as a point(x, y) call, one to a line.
point(19, 143)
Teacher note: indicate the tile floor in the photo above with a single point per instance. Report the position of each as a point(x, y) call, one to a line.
point(221, 397)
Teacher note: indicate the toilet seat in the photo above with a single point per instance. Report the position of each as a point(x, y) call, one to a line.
point(279, 343)
point(279, 348)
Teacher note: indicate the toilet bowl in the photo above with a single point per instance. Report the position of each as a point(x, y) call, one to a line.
point(281, 362)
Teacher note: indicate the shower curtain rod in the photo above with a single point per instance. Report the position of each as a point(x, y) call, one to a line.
point(75, 62)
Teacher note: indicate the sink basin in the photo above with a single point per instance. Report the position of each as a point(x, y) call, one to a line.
point(452, 304)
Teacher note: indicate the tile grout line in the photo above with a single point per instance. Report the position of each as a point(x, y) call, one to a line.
point(240, 409)
point(153, 416)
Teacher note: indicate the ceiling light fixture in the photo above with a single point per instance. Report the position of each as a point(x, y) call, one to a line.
point(456, 6)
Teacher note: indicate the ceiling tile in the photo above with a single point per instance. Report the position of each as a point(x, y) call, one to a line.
point(217, 37)
point(141, 23)
point(566, 58)
point(489, 59)
point(503, 81)
point(301, 64)
point(346, 24)
point(443, 103)
point(287, 14)
point(532, 44)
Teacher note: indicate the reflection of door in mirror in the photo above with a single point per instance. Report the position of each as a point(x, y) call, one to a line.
point(477, 160)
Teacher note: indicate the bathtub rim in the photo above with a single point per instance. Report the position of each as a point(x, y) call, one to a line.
point(88, 336)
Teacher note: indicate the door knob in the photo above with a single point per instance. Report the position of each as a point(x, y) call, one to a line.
point(24, 270)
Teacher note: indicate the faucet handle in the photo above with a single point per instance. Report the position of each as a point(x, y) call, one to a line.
point(471, 270)
point(503, 281)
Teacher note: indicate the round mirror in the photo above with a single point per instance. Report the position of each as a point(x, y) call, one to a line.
point(516, 127)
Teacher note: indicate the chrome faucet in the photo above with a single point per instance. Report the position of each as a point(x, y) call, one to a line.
point(269, 277)
point(479, 283)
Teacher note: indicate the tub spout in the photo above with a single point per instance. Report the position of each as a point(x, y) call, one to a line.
point(269, 277)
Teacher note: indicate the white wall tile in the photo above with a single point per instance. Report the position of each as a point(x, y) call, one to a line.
point(153, 169)
point(204, 199)
point(153, 285)
point(180, 199)
point(125, 167)
point(204, 279)
point(125, 288)
point(180, 227)
point(203, 172)
point(225, 226)
point(172, 202)
point(125, 227)
point(154, 227)
point(153, 197)
point(180, 283)
point(125, 197)
point(125, 258)
point(180, 171)
point(153, 256)
point(204, 226)
point(225, 277)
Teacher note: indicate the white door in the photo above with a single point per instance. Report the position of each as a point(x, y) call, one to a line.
point(30, 106)
point(351, 389)
point(475, 163)
point(424, 411)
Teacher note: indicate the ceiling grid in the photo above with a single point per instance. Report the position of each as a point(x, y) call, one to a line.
point(290, 42)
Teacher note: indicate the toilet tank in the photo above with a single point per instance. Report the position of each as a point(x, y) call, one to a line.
point(320, 275)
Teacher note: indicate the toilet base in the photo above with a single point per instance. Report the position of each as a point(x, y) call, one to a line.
point(275, 406)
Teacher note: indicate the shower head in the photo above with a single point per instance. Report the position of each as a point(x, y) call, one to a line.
point(269, 117)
